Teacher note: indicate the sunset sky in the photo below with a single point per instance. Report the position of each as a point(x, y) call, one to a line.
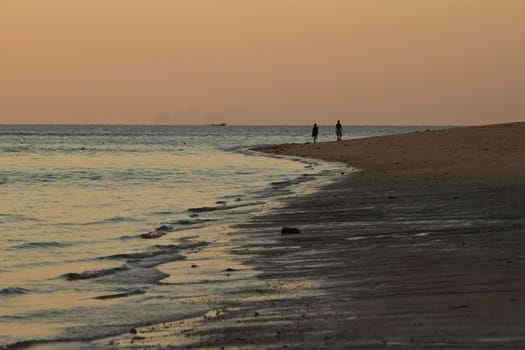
point(262, 61)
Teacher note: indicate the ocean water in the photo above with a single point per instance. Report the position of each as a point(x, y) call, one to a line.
point(97, 222)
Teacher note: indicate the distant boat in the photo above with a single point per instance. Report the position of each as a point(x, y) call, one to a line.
point(220, 124)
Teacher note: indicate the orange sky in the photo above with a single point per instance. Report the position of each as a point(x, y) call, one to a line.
point(262, 61)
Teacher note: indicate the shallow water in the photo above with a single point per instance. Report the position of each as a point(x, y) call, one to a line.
point(97, 221)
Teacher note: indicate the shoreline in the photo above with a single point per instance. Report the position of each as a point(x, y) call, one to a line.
point(207, 268)
point(422, 248)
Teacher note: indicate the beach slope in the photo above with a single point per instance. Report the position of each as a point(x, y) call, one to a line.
point(489, 155)
point(422, 247)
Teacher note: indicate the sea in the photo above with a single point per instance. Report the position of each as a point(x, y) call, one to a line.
point(98, 223)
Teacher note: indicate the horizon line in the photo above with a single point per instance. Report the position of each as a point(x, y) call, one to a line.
point(226, 124)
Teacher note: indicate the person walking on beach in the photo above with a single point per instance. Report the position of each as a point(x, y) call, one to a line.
point(315, 132)
point(339, 130)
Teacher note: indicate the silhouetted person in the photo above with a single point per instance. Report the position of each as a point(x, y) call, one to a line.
point(339, 130)
point(315, 132)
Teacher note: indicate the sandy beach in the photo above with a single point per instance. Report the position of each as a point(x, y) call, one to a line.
point(421, 247)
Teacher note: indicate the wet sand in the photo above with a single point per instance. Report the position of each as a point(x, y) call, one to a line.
point(423, 247)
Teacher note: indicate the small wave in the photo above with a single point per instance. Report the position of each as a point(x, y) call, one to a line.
point(223, 207)
point(137, 275)
point(165, 229)
point(32, 245)
point(114, 219)
point(191, 221)
point(73, 276)
point(165, 212)
point(185, 244)
point(16, 218)
point(158, 259)
point(120, 219)
point(10, 291)
point(128, 238)
point(134, 257)
point(151, 258)
point(120, 295)
point(160, 255)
